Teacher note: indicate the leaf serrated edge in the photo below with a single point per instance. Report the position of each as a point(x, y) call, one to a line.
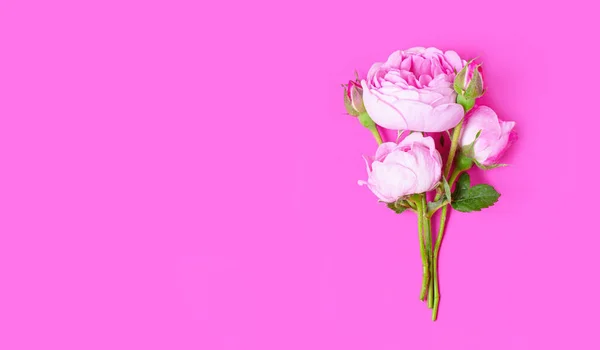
point(458, 198)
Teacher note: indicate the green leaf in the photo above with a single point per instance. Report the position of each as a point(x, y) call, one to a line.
point(467, 199)
point(469, 150)
point(463, 184)
point(447, 189)
point(445, 197)
point(475, 88)
point(459, 80)
point(489, 167)
point(398, 206)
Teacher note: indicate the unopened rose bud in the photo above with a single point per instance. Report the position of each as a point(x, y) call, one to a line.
point(353, 99)
point(469, 81)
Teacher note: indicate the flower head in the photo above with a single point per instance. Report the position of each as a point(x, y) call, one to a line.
point(409, 167)
point(484, 137)
point(413, 90)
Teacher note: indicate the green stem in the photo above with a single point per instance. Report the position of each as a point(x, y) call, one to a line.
point(376, 134)
point(443, 217)
point(451, 182)
point(434, 210)
point(453, 178)
point(436, 254)
point(451, 156)
point(428, 246)
point(438, 244)
point(453, 148)
point(424, 256)
point(368, 123)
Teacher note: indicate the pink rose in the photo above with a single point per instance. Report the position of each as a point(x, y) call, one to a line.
point(412, 166)
point(494, 135)
point(414, 90)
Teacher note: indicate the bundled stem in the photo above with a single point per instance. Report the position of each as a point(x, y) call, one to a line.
point(434, 294)
point(438, 243)
point(429, 250)
point(436, 253)
point(428, 246)
point(424, 255)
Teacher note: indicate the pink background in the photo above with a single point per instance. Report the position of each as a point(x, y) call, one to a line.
point(181, 175)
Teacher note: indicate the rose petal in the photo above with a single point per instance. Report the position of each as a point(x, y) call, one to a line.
point(394, 60)
point(454, 59)
point(444, 117)
point(428, 167)
point(392, 181)
point(382, 112)
point(383, 150)
point(406, 64)
point(374, 71)
point(425, 79)
point(416, 138)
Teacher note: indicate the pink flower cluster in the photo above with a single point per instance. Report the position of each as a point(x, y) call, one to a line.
point(429, 93)
point(415, 90)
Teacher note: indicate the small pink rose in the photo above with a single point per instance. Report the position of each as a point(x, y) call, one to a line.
point(495, 135)
point(398, 170)
point(413, 90)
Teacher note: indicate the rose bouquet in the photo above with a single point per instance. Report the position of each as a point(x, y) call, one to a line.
point(427, 95)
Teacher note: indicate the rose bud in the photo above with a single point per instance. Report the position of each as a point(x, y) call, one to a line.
point(353, 99)
point(412, 90)
point(469, 81)
point(484, 137)
point(398, 170)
